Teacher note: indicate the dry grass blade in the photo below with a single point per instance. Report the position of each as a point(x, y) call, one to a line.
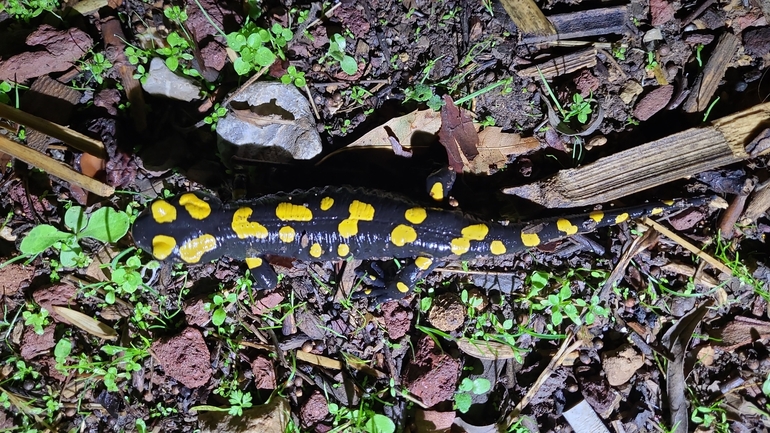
point(87, 323)
point(688, 245)
point(319, 360)
point(485, 349)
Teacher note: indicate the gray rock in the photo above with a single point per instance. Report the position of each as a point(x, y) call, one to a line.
point(161, 81)
point(269, 121)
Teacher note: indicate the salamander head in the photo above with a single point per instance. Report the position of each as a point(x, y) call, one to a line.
point(175, 228)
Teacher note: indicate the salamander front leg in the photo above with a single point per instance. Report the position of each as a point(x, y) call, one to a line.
point(404, 281)
point(264, 274)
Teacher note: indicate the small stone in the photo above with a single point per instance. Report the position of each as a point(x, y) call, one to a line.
point(652, 35)
point(621, 364)
point(630, 90)
point(448, 312)
point(661, 12)
point(161, 81)
point(653, 102)
point(269, 121)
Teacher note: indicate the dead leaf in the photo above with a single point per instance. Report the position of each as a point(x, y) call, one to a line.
point(497, 147)
point(403, 129)
point(458, 135)
point(87, 323)
point(485, 349)
point(676, 340)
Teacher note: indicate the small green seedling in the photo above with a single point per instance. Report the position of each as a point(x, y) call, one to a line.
point(38, 319)
point(25, 10)
point(336, 51)
point(105, 225)
point(294, 76)
point(97, 66)
point(580, 108)
point(217, 113)
point(464, 397)
point(258, 47)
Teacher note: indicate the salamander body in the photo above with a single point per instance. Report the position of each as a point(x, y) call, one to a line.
point(332, 223)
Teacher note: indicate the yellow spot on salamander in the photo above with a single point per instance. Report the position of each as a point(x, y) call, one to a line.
point(293, 212)
point(403, 288)
point(497, 248)
point(656, 211)
point(163, 212)
point(460, 246)
point(620, 218)
point(530, 239)
point(343, 250)
point(565, 226)
point(415, 215)
point(253, 262)
point(162, 246)
point(287, 234)
point(437, 191)
point(359, 211)
point(326, 203)
point(348, 228)
point(316, 250)
point(402, 235)
point(668, 202)
point(196, 207)
point(192, 250)
point(476, 232)
point(596, 215)
point(423, 263)
point(245, 228)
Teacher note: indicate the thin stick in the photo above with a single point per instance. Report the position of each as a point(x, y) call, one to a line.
point(54, 167)
point(687, 245)
point(73, 138)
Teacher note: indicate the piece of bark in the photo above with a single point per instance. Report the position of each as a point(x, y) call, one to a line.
point(708, 81)
point(760, 203)
point(583, 419)
point(683, 154)
point(561, 65)
point(50, 100)
point(54, 167)
point(583, 24)
point(528, 17)
point(733, 212)
point(116, 52)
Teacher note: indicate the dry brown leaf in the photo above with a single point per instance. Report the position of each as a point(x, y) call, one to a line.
point(87, 323)
point(496, 147)
point(401, 128)
point(458, 135)
point(485, 349)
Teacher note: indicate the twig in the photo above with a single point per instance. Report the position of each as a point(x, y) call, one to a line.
point(688, 245)
point(54, 167)
point(73, 138)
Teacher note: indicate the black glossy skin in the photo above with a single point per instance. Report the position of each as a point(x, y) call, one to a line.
point(434, 235)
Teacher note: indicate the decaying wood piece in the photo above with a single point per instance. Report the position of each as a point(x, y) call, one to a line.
point(584, 24)
point(759, 204)
point(54, 167)
point(685, 153)
point(528, 17)
point(584, 419)
point(562, 65)
point(51, 100)
point(707, 82)
point(73, 138)
point(113, 38)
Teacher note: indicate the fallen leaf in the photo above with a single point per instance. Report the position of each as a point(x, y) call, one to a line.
point(87, 323)
point(458, 135)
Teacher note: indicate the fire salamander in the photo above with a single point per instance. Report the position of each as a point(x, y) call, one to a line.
point(333, 223)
